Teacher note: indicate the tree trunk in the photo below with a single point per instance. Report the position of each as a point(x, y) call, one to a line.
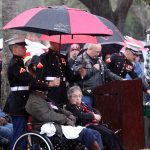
point(9, 10)
point(99, 7)
point(121, 13)
point(103, 8)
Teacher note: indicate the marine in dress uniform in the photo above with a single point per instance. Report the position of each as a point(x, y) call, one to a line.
point(19, 80)
point(121, 63)
point(54, 69)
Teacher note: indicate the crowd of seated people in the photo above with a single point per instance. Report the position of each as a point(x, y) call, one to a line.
point(48, 78)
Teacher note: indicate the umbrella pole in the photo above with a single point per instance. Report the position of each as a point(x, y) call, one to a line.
point(60, 44)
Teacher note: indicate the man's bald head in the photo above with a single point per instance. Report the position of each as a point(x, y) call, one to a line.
point(94, 50)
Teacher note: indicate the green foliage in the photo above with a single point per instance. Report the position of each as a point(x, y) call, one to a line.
point(134, 28)
point(147, 2)
point(30, 4)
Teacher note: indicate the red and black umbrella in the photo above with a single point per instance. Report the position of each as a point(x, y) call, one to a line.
point(116, 37)
point(58, 20)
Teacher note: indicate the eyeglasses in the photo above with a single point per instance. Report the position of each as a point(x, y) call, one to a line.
point(76, 96)
point(75, 50)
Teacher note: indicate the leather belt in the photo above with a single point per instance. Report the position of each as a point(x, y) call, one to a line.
point(52, 78)
point(20, 88)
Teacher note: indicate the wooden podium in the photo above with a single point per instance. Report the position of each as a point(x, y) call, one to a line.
point(121, 106)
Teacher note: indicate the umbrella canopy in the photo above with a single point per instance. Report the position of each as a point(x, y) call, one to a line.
point(58, 20)
point(110, 49)
point(116, 36)
point(69, 39)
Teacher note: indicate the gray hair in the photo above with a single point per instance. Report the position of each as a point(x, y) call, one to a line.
point(72, 90)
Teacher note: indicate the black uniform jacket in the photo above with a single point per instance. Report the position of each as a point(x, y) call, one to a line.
point(17, 77)
point(120, 65)
point(53, 65)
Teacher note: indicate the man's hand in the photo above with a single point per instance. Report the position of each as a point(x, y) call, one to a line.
point(54, 83)
point(73, 118)
point(97, 117)
point(82, 72)
point(96, 66)
point(3, 121)
point(70, 122)
point(148, 91)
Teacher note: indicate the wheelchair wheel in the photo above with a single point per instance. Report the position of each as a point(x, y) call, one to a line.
point(33, 141)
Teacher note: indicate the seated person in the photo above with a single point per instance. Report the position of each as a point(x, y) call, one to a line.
point(6, 131)
point(47, 112)
point(90, 118)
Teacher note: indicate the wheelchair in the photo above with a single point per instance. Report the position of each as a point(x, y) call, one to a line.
point(33, 140)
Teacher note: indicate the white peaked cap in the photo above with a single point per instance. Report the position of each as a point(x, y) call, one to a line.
point(16, 39)
point(133, 47)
